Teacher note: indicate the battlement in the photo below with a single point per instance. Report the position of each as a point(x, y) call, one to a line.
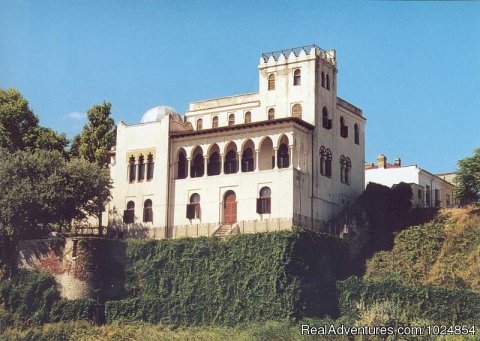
point(299, 53)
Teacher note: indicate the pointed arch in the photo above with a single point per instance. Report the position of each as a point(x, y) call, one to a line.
point(182, 170)
point(266, 158)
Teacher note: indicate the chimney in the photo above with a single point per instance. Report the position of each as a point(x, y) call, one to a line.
point(382, 161)
point(398, 162)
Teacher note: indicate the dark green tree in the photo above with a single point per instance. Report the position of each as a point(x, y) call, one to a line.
point(42, 191)
point(98, 135)
point(467, 190)
point(19, 126)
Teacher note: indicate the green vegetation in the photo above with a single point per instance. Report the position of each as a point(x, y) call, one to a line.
point(207, 280)
point(468, 180)
point(444, 252)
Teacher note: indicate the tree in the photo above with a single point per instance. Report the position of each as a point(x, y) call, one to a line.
point(42, 191)
point(20, 129)
point(98, 136)
point(467, 190)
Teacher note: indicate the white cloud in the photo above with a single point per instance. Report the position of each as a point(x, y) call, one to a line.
point(75, 115)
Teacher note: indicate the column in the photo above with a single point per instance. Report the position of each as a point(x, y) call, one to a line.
point(257, 156)
point(290, 156)
point(239, 162)
point(205, 167)
point(188, 168)
point(222, 160)
point(275, 150)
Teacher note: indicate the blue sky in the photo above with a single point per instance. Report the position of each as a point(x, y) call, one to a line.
point(413, 67)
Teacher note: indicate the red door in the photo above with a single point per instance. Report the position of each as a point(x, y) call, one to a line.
point(229, 208)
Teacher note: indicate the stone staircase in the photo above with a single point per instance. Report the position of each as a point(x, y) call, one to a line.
point(222, 231)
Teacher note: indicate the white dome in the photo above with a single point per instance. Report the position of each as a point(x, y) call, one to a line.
point(158, 113)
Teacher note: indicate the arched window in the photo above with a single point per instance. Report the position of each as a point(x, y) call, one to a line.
point(271, 114)
point(342, 168)
point(343, 128)
point(214, 164)
point(247, 160)
point(297, 110)
point(147, 211)
point(141, 168)
point(129, 213)
point(193, 208)
point(357, 133)
point(328, 82)
point(182, 165)
point(328, 164)
point(150, 165)
point(326, 122)
point(323, 159)
point(131, 169)
point(199, 124)
point(215, 122)
point(231, 119)
point(230, 162)
point(271, 82)
point(198, 164)
point(323, 79)
point(283, 159)
point(348, 170)
point(264, 201)
point(297, 77)
point(248, 117)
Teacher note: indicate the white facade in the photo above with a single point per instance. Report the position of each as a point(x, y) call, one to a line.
point(291, 154)
point(428, 190)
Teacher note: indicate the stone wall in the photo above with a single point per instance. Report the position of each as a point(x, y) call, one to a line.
point(66, 259)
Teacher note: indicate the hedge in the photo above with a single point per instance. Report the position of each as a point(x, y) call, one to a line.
point(74, 310)
point(448, 306)
point(245, 278)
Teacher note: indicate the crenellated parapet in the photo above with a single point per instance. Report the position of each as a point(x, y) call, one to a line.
point(297, 54)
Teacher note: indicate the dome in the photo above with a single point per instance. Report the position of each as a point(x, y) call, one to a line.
point(156, 114)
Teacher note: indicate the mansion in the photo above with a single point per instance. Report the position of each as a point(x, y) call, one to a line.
point(291, 154)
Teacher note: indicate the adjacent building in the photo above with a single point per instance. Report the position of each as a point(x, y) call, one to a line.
point(291, 154)
point(428, 190)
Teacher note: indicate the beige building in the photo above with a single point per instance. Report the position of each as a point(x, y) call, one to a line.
point(291, 154)
point(428, 190)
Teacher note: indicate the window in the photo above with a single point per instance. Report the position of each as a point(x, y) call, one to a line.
point(297, 77)
point(182, 165)
point(230, 162)
point(147, 211)
point(141, 168)
point(271, 114)
point(213, 164)
point(131, 169)
point(323, 159)
point(356, 133)
point(215, 122)
point(328, 163)
point(197, 166)
point(343, 128)
point(248, 117)
point(264, 201)
point(328, 82)
point(419, 194)
point(271, 82)
point(247, 160)
point(297, 110)
point(447, 199)
point(283, 158)
point(323, 79)
point(193, 208)
point(199, 124)
point(150, 165)
point(326, 122)
point(129, 213)
point(345, 169)
point(231, 119)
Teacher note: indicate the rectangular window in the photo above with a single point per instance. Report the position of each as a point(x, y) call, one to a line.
point(141, 172)
point(150, 170)
point(193, 211)
point(128, 216)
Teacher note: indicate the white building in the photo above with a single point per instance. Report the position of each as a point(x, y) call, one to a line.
point(428, 190)
point(291, 154)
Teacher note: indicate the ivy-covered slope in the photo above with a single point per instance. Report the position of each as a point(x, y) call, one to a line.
point(245, 278)
point(444, 252)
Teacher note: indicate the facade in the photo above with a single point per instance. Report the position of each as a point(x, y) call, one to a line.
point(428, 190)
point(291, 154)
